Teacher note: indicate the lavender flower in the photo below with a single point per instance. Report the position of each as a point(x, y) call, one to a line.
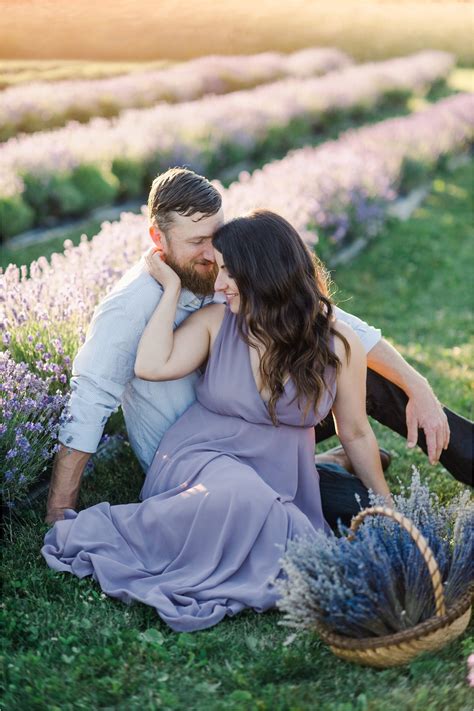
point(43, 104)
point(29, 421)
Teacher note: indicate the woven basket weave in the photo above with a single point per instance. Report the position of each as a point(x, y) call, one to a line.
point(401, 647)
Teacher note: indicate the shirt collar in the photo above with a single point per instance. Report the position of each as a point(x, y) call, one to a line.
point(188, 300)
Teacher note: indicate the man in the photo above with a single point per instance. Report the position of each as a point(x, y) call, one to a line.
point(185, 210)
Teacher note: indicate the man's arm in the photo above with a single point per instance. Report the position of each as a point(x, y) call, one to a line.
point(68, 468)
point(423, 409)
point(101, 370)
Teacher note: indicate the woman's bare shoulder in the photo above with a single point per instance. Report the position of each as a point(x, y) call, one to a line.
point(355, 344)
point(214, 312)
point(212, 315)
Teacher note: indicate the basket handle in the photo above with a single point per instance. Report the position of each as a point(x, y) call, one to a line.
point(420, 541)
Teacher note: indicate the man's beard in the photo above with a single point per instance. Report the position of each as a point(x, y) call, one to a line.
point(202, 284)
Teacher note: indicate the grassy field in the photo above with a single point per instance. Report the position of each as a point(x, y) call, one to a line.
point(66, 646)
point(146, 30)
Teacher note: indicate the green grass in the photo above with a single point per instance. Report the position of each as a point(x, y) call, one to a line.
point(66, 646)
point(11, 254)
point(414, 285)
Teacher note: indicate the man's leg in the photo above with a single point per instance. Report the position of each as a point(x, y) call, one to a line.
point(387, 403)
point(338, 494)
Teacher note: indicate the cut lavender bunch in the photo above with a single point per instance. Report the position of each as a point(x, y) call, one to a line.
point(378, 583)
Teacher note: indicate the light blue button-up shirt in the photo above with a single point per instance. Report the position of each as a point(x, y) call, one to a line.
point(103, 370)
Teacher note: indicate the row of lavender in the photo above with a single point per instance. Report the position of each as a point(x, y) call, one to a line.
point(73, 169)
point(341, 188)
point(43, 105)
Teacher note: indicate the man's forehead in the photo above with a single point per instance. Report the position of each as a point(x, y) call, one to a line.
point(196, 224)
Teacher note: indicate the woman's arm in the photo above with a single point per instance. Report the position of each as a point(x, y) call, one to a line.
point(167, 354)
point(352, 425)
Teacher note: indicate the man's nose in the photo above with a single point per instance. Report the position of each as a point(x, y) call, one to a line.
point(208, 252)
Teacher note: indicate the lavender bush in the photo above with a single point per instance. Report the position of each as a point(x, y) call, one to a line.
point(30, 412)
point(344, 186)
point(44, 167)
point(378, 583)
point(42, 105)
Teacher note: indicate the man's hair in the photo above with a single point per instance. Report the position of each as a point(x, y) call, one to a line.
point(184, 191)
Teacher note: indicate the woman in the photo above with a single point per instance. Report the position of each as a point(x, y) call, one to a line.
point(233, 478)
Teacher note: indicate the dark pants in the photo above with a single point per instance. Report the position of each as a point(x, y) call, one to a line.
point(386, 403)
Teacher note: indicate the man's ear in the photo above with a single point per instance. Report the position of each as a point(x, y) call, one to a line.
point(157, 236)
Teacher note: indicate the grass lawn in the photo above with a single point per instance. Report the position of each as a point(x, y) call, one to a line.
point(67, 646)
point(19, 255)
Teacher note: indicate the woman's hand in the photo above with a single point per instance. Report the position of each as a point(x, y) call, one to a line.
point(159, 270)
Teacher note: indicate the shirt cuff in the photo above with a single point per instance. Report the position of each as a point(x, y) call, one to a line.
point(85, 438)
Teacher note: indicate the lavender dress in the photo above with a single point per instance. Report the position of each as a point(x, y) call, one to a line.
point(224, 493)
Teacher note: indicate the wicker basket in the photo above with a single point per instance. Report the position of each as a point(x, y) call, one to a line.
point(401, 647)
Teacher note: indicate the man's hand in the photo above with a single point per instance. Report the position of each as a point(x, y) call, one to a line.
point(424, 412)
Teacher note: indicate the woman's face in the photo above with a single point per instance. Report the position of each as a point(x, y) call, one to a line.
point(226, 284)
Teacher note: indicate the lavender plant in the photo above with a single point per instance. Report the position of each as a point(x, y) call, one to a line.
point(198, 132)
point(30, 415)
point(378, 583)
point(42, 105)
point(347, 183)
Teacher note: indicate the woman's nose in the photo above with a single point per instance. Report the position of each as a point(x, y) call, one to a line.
point(219, 283)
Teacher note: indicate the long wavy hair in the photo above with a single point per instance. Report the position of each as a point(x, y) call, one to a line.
point(284, 304)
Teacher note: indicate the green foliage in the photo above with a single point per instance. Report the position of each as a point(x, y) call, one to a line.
point(25, 255)
point(65, 197)
point(36, 193)
point(97, 186)
point(15, 216)
point(91, 185)
point(131, 176)
point(413, 174)
point(53, 196)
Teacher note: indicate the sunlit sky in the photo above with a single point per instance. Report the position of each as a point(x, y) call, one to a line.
point(176, 29)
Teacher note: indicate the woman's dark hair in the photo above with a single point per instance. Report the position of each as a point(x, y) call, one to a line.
point(284, 303)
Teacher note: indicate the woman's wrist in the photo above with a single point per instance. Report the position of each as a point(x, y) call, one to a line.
point(173, 288)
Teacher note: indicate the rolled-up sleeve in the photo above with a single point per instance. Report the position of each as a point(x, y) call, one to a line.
point(101, 370)
point(369, 335)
